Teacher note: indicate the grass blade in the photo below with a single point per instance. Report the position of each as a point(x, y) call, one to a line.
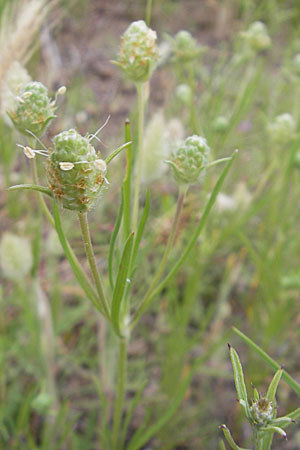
point(121, 284)
point(112, 243)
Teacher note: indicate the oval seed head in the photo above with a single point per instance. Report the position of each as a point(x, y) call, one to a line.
point(220, 124)
point(282, 129)
point(139, 54)
point(15, 256)
point(33, 110)
point(185, 47)
point(262, 411)
point(257, 36)
point(184, 94)
point(190, 160)
point(73, 171)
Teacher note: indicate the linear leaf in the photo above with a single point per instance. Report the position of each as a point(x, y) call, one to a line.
point(112, 243)
point(32, 187)
point(140, 230)
point(239, 378)
point(229, 438)
point(274, 385)
point(272, 363)
point(121, 284)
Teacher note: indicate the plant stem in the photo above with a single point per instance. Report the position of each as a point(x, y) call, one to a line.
point(120, 395)
point(92, 261)
point(257, 440)
point(40, 196)
point(181, 195)
point(139, 163)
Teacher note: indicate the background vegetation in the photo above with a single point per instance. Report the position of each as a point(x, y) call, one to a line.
point(244, 271)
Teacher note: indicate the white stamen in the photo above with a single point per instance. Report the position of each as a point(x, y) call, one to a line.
point(62, 90)
point(27, 94)
point(66, 166)
point(20, 100)
point(100, 165)
point(29, 152)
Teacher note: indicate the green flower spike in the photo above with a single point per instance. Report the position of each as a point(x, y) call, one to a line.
point(75, 171)
point(282, 129)
point(34, 109)
point(139, 54)
point(185, 47)
point(257, 36)
point(190, 160)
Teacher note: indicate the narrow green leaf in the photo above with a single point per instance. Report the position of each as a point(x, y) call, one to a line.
point(255, 394)
point(127, 183)
point(239, 378)
point(283, 422)
point(271, 429)
point(229, 438)
point(32, 187)
point(116, 152)
point(272, 363)
point(222, 445)
point(74, 263)
point(112, 243)
point(140, 230)
point(294, 414)
point(121, 284)
point(273, 386)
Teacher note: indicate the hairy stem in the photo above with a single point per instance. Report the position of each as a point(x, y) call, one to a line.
point(92, 261)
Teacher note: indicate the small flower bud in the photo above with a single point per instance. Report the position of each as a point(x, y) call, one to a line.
point(190, 160)
point(139, 53)
point(257, 36)
point(220, 124)
point(185, 47)
point(184, 93)
point(282, 129)
point(74, 173)
point(15, 256)
point(34, 110)
point(262, 411)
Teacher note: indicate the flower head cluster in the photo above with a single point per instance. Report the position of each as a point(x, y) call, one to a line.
point(282, 129)
point(33, 110)
point(138, 54)
point(75, 171)
point(257, 36)
point(185, 47)
point(190, 160)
